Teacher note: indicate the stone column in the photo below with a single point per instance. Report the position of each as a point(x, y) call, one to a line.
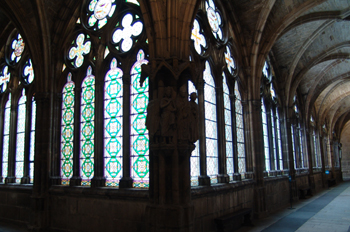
point(309, 140)
point(41, 162)
point(126, 181)
point(76, 179)
point(55, 176)
point(203, 179)
point(99, 179)
point(170, 121)
point(222, 176)
point(11, 171)
point(258, 157)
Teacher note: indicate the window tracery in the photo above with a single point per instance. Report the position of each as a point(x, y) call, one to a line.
point(16, 80)
point(116, 26)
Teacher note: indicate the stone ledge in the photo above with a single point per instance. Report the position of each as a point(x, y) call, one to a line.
point(18, 187)
point(201, 191)
point(103, 192)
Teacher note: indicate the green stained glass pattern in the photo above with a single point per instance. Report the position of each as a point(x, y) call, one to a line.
point(139, 135)
point(5, 146)
point(113, 122)
point(32, 142)
point(87, 128)
point(67, 123)
point(20, 138)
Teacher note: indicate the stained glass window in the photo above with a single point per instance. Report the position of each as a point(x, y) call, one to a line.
point(266, 70)
point(17, 48)
point(139, 135)
point(266, 136)
point(4, 78)
point(133, 1)
point(78, 51)
point(210, 123)
point(198, 38)
point(240, 132)
point(29, 72)
point(194, 161)
point(294, 147)
point(32, 142)
point(87, 128)
point(113, 123)
point(214, 19)
point(67, 133)
point(130, 28)
point(231, 66)
point(21, 121)
point(100, 11)
point(228, 129)
point(5, 146)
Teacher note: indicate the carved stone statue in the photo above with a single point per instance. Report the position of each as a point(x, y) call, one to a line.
point(194, 119)
point(167, 123)
point(183, 116)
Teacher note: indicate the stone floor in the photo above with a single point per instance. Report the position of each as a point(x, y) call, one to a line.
point(328, 211)
point(325, 212)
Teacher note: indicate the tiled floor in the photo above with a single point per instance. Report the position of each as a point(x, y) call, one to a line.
point(326, 212)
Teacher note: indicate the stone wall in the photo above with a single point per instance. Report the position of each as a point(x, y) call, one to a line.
point(318, 181)
point(277, 193)
point(15, 205)
point(212, 202)
point(98, 211)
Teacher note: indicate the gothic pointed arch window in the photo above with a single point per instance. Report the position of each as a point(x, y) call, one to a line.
point(17, 145)
point(271, 123)
point(220, 158)
point(299, 155)
point(315, 145)
point(104, 98)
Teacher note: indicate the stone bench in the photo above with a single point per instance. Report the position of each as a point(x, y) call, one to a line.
point(234, 220)
point(305, 191)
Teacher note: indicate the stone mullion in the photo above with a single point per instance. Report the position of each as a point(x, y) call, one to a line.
point(2, 117)
point(247, 142)
point(277, 154)
point(11, 178)
point(284, 142)
point(290, 139)
point(236, 175)
point(269, 135)
point(28, 119)
point(309, 143)
point(126, 181)
point(203, 179)
point(222, 175)
point(99, 179)
point(323, 166)
point(76, 179)
point(55, 175)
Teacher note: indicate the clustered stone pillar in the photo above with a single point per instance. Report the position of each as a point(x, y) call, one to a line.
point(173, 130)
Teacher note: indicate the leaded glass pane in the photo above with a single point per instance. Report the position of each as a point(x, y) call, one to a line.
point(198, 38)
point(273, 139)
point(228, 129)
point(4, 78)
point(240, 132)
point(5, 146)
point(129, 30)
point(279, 142)
point(17, 48)
point(20, 138)
point(214, 19)
point(80, 49)
point(87, 128)
point(113, 123)
point(231, 66)
point(139, 134)
point(266, 138)
point(100, 11)
point(67, 130)
point(210, 124)
point(32, 142)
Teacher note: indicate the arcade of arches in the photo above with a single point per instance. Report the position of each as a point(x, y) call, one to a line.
point(156, 115)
